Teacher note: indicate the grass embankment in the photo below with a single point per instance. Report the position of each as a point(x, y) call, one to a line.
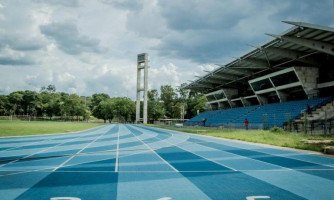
point(21, 128)
point(282, 139)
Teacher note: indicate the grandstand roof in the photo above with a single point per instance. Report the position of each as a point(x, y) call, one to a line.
point(304, 44)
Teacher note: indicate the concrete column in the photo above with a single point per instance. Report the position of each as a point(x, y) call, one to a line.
point(138, 95)
point(145, 93)
point(142, 64)
point(308, 76)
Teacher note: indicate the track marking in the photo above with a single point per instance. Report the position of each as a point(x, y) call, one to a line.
point(176, 145)
point(25, 145)
point(152, 172)
point(154, 152)
point(117, 151)
point(66, 161)
point(268, 155)
point(257, 197)
point(164, 198)
point(268, 146)
point(43, 150)
point(65, 198)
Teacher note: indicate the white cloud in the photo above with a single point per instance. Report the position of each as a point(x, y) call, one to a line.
point(91, 46)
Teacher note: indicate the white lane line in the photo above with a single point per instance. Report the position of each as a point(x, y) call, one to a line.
point(117, 150)
point(66, 161)
point(47, 136)
point(45, 170)
point(155, 152)
point(25, 145)
point(268, 155)
point(231, 153)
point(52, 134)
point(176, 145)
point(263, 146)
point(243, 157)
point(43, 150)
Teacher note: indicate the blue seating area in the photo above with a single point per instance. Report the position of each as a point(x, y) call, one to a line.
point(268, 115)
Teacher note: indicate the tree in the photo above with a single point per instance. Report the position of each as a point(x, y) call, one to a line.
point(168, 97)
point(123, 109)
point(155, 108)
point(72, 106)
point(29, 102)
point(15, 102)
point(50, 88)
point(195, 102)
point(95, 105)
point(153, 95)
point(3, 105)
point(105, 108)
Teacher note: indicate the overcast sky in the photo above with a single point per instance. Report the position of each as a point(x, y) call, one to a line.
point(90, 46)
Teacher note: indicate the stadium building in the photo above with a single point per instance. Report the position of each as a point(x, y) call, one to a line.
point(274, 84)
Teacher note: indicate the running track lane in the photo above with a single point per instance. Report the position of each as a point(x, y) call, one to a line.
point(138, 162)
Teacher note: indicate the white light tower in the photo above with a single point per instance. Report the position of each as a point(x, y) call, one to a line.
point(142, 64)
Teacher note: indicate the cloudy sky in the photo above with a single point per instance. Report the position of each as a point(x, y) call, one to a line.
point(90, 46)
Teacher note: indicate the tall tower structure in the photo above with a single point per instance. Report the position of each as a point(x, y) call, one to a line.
point(142, 64)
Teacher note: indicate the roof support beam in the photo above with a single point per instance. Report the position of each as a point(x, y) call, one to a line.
point(200, 85)
point(291, 54)
point(260, 64)
point(234, 70)
point(224, 77)
point(312, 44)
point(211, 81)
point(238, 71)
point(309, 25)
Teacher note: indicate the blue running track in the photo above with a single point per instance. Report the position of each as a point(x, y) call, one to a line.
point(137, 162)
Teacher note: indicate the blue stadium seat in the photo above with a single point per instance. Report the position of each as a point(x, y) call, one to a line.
point(268, 115)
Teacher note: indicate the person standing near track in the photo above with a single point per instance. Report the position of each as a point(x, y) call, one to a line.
point(204, 121)
point(246, 123)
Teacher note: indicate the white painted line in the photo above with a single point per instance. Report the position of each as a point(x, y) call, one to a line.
point(43, 150)
point(117, 151)
point(165, 198)
point(257, 197)
point(176, 145)
point(244, 157)
point(44, 140)
point(299, 151)
point(45, 170)
point(231, 153)
point(155, 152)
point(51, 134)
point(66, 161)
point(24, 145)
point(269, 154)
point(65, 198)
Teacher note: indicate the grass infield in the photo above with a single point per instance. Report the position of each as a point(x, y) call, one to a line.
point(282, 139)
point(21, 128)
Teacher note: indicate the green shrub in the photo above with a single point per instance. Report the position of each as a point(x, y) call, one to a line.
point(276, 129)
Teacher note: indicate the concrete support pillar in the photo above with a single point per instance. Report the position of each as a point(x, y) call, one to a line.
point(229, 93)
point(145, 94)
point(308, 76)
point(142, 64)
point(262, 99)
point(138, 96)
point(282, 96)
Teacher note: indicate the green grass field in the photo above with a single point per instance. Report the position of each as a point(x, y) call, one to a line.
point(18, 128)
point(284, 139)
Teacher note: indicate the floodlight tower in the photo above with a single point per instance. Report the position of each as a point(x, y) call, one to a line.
point(142, 64)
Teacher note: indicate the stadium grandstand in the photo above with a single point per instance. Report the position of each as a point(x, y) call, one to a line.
point(287, 81)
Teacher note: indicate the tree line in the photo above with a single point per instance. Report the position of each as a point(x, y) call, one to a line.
point(170, 102)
